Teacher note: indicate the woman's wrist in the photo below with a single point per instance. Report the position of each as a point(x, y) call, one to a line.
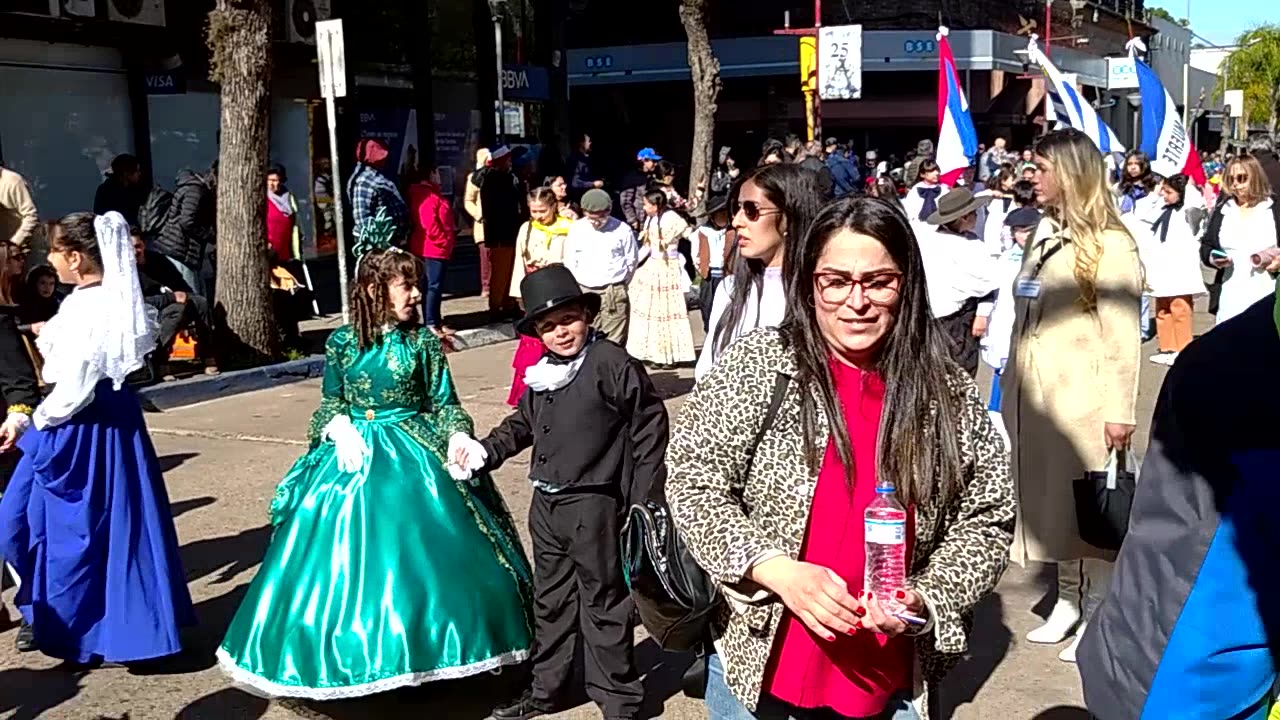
point(765, 571)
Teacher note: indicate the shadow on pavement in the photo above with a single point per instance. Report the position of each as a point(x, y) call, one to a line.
point(182, 507)
point(173, 460)
point(229, 703)
point(989, 643)
point(468, 699)
point(232, 554)
point(30, 694)
point(1064, 712)
point(669, 384)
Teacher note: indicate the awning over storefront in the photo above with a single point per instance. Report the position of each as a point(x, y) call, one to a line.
point(883, 51)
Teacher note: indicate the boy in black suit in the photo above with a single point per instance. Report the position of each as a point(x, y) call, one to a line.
point(599, 435)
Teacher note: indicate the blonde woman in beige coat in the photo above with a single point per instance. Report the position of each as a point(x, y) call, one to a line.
point(1072, 386)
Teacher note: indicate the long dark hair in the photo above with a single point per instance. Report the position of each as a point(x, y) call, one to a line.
point(916, 447)
point(1147, 180)
point(9, 284)
point(794, 190)
point(370, 310)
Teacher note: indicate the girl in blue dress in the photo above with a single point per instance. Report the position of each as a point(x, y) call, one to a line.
point(85, 520)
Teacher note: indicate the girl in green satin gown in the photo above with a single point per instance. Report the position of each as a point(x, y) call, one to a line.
point(383, 571)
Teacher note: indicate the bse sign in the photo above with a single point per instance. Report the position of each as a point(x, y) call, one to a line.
point(1122, 74)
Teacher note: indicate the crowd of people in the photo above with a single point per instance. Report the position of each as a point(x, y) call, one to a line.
point(844, 334)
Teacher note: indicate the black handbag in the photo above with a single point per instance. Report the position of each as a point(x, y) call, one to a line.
point(1104, 500)
point(675, 597)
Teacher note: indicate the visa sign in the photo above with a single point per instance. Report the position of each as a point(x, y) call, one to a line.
point(1122, 74)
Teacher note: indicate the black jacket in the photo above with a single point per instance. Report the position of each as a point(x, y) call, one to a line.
point(159, 278)
point(189, 227)
point(501, 201)
point(1210, 240)
point(18, 382)
point(607, 428)
point(114, 195)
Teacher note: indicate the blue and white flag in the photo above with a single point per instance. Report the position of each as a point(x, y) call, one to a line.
point(1069, 108)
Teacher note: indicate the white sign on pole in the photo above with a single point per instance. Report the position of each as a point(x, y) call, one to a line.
point(333, 84)
point(840, 62)
point(1122, 73)
point(332, 56)
point(1234, 99)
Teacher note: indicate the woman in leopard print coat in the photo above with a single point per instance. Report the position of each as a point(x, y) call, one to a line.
point(751, 516)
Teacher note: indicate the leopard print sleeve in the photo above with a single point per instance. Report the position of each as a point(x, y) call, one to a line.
point(707, 459)
point(977, 529)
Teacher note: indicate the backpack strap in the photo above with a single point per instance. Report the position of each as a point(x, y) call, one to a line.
point(780, 383)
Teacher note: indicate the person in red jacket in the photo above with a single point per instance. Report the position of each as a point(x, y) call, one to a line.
point(431, 239)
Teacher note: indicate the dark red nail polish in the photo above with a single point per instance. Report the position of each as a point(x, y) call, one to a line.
point(860, 612)
point(853, 631)
point(901, 594)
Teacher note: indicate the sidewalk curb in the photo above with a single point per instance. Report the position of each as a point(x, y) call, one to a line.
point(189, 391)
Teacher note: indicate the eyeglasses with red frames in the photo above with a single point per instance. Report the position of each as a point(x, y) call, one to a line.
point(752, 211)
point(879, 289)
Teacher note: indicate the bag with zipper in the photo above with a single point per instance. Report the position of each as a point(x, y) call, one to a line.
point(675, 597)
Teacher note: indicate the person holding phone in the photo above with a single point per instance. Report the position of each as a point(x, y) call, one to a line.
point(1243, 225)
point(1071, 384)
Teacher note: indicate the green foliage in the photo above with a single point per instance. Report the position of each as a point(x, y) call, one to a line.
point(1254, 67)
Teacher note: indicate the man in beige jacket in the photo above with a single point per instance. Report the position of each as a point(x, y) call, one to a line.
point(18, 217)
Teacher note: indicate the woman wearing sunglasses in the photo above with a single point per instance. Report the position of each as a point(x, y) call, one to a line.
point(773, 204)
point(867, 401)
point(1242, 226)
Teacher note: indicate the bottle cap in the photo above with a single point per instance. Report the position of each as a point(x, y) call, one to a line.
point(886, 488)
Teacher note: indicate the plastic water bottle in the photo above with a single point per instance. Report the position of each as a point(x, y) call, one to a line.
point(885, 523)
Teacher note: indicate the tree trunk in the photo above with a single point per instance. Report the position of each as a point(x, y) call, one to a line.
point(705, 72)
point(240, 43)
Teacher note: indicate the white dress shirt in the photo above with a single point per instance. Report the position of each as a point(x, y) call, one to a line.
point(600, 258)
point(956, 269)
point(764, 310)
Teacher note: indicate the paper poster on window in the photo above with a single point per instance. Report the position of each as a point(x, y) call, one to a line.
point(840, 62)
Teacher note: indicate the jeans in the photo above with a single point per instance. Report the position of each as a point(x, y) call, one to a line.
point(432, 294)
point(722, 705)
point(191, 276)
point(1144, 319)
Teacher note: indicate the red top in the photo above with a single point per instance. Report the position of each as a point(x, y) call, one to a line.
point(280, 232)
point(855, 675)
point(432, 235)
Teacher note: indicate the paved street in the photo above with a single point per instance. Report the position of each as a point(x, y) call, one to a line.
point(222, 460)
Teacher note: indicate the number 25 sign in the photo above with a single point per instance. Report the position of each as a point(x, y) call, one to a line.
point(840, 62)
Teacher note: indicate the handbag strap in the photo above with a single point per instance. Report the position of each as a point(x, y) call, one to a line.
point(780, 383)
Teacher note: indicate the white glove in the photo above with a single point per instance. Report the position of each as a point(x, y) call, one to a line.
point(348, 445)
point(465, 457)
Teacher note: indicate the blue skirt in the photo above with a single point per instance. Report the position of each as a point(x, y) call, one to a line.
point(86, 523)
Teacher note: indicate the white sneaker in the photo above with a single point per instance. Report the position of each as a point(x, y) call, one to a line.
point(1163, 358)
point(1068, 653)
point(1062, 621)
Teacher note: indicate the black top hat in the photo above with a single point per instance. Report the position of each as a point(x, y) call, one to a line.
point(548, 288)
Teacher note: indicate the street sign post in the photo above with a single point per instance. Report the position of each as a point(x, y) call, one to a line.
point(333, 84)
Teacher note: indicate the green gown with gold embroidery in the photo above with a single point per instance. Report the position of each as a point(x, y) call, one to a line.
point(393, 575)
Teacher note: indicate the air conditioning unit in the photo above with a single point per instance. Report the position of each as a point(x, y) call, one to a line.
point(79, 8)
point(141, 12)
point(300, 19)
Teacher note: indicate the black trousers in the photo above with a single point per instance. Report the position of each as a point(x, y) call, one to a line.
point(580, 591)
point(174, 316)
point(958, 327)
